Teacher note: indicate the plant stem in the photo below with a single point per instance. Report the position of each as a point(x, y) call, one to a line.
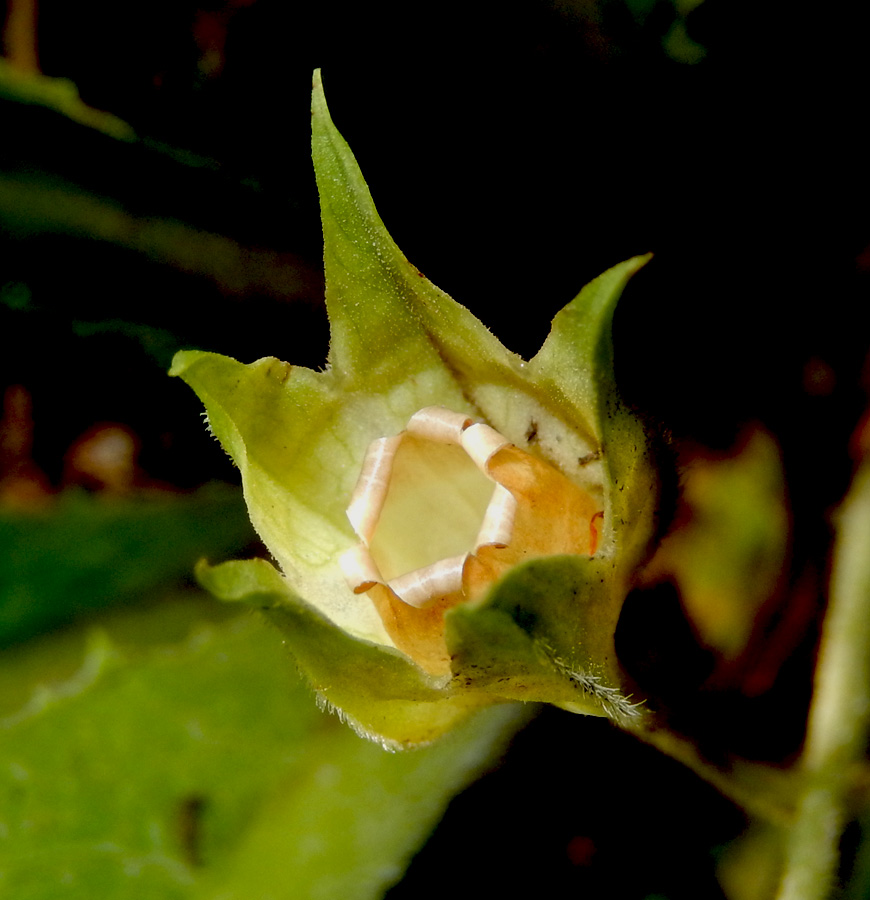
point(838, 720)
point(19, 36)
point(761, 790)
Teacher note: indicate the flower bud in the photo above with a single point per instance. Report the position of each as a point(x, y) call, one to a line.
point(453, 526)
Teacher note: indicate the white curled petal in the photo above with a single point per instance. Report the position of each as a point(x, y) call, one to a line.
point(371, 488)
point(481, 442)
point(365, 565)
point(498, 523)
point(359, 569)
point(435, 423)
point(425, 586)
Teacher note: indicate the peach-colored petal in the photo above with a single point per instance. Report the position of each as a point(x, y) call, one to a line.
point(534, 511)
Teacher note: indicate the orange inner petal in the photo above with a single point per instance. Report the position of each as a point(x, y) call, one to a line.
point(554, 516)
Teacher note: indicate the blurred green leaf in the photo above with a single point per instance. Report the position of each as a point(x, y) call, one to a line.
point(61, 95)
point(203, 769)
point(36, 204)
point(87, 552)
point(728, 552)
point(680, 47)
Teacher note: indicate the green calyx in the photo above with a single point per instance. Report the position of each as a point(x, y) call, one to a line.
point(541, 631)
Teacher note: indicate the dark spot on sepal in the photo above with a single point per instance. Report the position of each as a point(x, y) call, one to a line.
point(280, 371)
point(524, 618)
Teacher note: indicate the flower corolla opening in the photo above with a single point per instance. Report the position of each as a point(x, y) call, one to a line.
point(442, 510)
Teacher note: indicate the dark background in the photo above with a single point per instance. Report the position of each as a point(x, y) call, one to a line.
point(514, 151)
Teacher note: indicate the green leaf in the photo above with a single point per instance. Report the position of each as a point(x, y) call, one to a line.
point(389, 324)
point(384, 694)
point(545, 633)
point(348, 828)
point(387, 319)
point(298, 442)
point(575, 362)
point(85, 553)
point(729, 555)
point(575, 365)
point(61, 95)
point(203, 770)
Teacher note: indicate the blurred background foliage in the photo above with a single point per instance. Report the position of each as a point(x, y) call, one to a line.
point(156, 193)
